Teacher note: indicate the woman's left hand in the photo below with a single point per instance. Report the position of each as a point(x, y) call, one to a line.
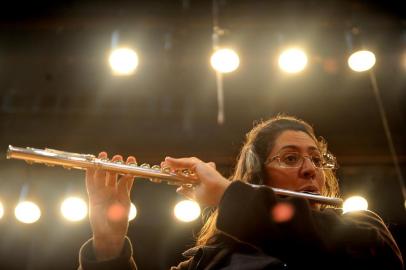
point(212, 184)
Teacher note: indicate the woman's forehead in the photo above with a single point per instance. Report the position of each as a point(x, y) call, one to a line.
point(294, 139)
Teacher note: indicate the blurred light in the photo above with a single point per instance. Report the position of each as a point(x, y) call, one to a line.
point(27, 212)
point(225, 60)
point(133, 212)
point(1, 210)
point(74, 209)
point(330, 65)
point(404, 60)
point(117, 212)
point(187, 210)
point(123, 61)
point(361, 61)
point(355, 203)
point(293, 60)
point(282, 212)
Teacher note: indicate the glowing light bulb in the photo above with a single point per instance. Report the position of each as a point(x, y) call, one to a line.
point(293, 60)
point(27, 212)
point(361, 61)
point(187, 210)
point(355, 203)
point(1, 210)
point(225, 60)
point(74, 209)
point(133, 212)
point(123, 61)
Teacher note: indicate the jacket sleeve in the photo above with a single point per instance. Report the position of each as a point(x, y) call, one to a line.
point(87, 258)
point(251, 214)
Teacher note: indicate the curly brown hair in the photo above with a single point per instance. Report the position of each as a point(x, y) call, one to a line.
point(250, 163)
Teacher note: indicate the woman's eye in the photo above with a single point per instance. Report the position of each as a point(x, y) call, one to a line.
point(290, 158)
point(318, 161)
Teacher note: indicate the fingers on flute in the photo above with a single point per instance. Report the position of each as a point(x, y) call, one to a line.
point(130, 159)
point(126, 181)
point(212, 164)
point(99, 176)
point(111, 179)
point(90, 175)
point(103, 155)
point(180, 163)
point(124, 184)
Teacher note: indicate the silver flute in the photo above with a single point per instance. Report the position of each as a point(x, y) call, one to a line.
point(156, 174)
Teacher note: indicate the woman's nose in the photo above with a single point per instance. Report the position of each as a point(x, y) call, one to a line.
point(308, 169)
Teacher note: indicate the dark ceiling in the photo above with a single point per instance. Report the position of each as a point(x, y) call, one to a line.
point(57, 91)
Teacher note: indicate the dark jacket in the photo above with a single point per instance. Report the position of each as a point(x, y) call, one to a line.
point(250, 238)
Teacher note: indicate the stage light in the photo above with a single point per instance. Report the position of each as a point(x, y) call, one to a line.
point(355, 203)
point(27, 212)
point(123, 61)
point(74, 209)
point(292, 60)
point(1, 210)
point(361, 61)
point(133, 212)
point(225, 60)
point(187, 210)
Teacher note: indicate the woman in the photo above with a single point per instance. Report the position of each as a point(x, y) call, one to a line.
point(251, 228)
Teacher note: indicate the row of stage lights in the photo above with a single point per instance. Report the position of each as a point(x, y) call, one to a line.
point(124, 61)
point(74, 209)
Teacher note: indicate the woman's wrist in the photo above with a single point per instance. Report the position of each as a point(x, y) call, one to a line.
point(107, 248)
point(222, 190)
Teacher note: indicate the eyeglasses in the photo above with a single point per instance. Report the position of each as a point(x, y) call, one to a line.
point(295, 160)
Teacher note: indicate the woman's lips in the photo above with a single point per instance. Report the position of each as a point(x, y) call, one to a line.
point(313, 192)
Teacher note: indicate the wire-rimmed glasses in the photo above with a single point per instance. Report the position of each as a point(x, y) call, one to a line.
point(294, 159)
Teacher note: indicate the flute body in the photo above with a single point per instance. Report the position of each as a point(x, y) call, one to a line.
point(68, 160)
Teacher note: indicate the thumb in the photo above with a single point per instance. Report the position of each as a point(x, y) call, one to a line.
point(187, 192)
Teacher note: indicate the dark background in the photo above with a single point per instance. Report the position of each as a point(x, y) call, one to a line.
point(57, 91)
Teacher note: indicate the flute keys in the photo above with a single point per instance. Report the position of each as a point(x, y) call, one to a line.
point(166, 170)
point(172, 183)
point(155, 180)
point(145, 166)
point(89, 157)
point(118, 162)
point(133, 164)
point(187, 172)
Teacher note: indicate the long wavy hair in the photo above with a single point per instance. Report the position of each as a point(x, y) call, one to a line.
point(250, 163)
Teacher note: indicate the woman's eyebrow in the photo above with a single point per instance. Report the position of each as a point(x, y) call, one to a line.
point(310, 148)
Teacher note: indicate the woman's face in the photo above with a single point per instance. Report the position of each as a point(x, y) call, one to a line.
point(306, 177)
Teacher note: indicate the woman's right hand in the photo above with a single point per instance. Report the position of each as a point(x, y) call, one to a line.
point(212, 184)
point(109, 207)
